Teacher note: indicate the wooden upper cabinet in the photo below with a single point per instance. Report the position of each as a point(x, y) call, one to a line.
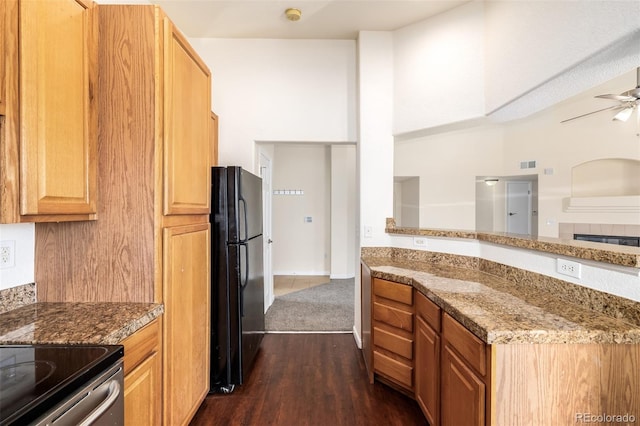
point(58, 111)
point(187, 115)
point(3, 56)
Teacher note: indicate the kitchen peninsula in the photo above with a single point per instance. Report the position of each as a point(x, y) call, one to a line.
point(506, 343)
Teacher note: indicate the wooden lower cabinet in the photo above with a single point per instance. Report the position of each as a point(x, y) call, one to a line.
point(462, 392)
point(427, 369)
point(186, 323)
point(458, 379)
point(392, 335)
point(143, 376)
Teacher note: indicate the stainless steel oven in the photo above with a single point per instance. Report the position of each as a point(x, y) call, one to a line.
point(99, 403)
point(61, 385)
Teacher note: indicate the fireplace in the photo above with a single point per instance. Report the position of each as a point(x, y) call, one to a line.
point(609, 239)
point(619, 234)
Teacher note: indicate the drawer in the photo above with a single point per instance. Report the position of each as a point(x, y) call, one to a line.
point(392, 369)
point(472, 349)
point(393, 316)
point(402, 293)
point(393, 343)
point(140, 345)
point(428, 311)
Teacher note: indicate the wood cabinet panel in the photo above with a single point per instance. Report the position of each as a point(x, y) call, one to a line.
point(462, 393)
point(428, 311)
point(394, 343)
point(393, 291)
point(393, 316)
point(187, 120)
point(427, 367)
point(3, 56)
point(553, 383)
point(469, 346)
point(140, 345)
point(58, 111)
point(395, 370)
point(143, 376)
point(186, 290)
point(142, 397)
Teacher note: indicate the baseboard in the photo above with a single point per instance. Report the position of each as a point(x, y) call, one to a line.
point(305, 273)
point(341, 276)
point(356, 337)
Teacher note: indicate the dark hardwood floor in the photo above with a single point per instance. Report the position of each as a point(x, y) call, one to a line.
point(309, 379)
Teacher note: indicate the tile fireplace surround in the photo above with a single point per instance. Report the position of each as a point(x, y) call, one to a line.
point(566, 230)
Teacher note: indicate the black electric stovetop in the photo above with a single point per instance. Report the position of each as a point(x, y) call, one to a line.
point(35, 378)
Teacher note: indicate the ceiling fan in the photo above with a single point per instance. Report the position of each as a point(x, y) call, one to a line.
point(628, 101)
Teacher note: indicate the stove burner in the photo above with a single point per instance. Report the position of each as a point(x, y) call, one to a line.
point(31, 372)
point(20, 379)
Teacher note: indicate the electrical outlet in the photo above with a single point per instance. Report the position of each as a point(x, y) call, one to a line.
point(7, 250)
point(567, 267)
point(419, 241)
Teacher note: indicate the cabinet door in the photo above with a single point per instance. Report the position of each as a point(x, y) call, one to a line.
point(186, 321)
point(187, 119)
point(142, 401)
point(427, 371)
point(58, 111)
point(3, 56)
point(143, 376)
point(462, 392)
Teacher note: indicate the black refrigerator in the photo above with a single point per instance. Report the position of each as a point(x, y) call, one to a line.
point(237, 275)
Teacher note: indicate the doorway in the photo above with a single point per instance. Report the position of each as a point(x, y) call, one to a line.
point(266, 175)
point(518, 207)
point(309, 199)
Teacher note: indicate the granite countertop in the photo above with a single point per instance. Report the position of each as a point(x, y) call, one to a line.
point(598, 252)
point(500, 312)
point(75, 323)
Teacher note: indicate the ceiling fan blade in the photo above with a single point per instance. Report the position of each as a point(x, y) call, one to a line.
point(594, 112)
point(624, 114)
point(621, 98)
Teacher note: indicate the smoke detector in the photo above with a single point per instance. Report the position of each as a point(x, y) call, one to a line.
point(293, 14)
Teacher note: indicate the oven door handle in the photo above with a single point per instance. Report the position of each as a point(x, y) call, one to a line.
point(112, 395)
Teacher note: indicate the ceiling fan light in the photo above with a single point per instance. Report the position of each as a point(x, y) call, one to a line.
point(624, 114)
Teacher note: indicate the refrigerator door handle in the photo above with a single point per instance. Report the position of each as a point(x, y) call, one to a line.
point(244, 278)
point(244, 257)
point(245, 226)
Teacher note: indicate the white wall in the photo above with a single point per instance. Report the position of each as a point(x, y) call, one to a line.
point(508, 59)
point(375, 84)
point(439, 69)
point(375, 144)
point(301, 248)
point(448, 164)
point(279, 90)
point(22, 238)
point(343, 211)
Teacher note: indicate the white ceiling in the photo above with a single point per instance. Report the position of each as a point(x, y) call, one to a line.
point(328, 19)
